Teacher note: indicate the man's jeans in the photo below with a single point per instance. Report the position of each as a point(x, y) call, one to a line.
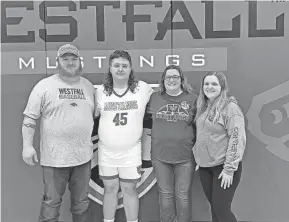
point(174, 183)
point(55, 182)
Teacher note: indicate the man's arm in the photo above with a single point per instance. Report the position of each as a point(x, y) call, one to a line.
point(97, 112)
point(97, 106)
point(28, 130)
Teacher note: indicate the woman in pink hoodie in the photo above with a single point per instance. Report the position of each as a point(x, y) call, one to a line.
point(220, 144)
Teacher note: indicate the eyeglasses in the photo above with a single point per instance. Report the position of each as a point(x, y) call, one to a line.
point(167, 78)
point(117, 66)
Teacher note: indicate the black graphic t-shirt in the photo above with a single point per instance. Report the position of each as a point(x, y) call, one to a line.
point(173, 131)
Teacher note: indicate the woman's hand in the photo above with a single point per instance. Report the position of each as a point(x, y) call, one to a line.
point(227, 180)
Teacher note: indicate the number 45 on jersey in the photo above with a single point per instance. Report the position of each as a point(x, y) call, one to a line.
point(120, 119)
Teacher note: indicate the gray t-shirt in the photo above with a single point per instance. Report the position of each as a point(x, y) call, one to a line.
point(66, 110)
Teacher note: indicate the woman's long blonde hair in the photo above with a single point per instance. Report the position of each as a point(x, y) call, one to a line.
point(220, 102)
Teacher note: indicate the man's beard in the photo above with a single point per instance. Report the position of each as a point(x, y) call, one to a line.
point(70, 72)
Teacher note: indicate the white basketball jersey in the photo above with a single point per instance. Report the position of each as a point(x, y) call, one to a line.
point(121, 126)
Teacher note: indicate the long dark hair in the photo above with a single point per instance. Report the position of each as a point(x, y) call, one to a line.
point(184, 85)
point(108, 80)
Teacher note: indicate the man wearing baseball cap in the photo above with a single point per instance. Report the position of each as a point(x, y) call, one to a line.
point(67, 49)
point(64, 102)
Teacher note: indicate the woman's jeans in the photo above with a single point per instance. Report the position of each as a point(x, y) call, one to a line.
point(174, 182)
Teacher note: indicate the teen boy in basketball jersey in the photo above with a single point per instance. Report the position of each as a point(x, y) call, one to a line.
point(121, 103)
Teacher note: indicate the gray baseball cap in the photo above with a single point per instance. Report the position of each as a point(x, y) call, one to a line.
point(67, 48)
